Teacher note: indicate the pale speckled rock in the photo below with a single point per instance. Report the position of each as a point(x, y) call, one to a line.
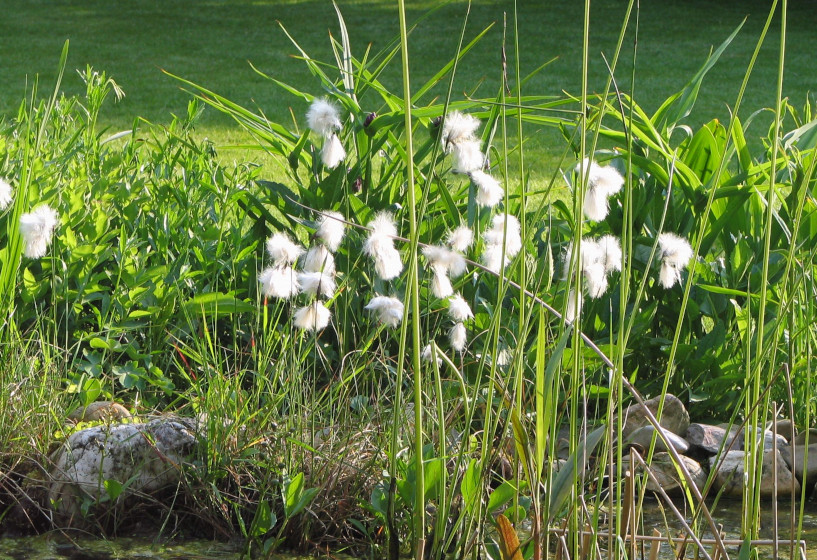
point(667, 475)
point(142, 457)
point(787, 429)
point(674, 417)
point(730, 475)
point(100, 410)
point(810, 435)
point(643, 436)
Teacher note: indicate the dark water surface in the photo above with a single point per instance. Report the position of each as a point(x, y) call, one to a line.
point(52, 547)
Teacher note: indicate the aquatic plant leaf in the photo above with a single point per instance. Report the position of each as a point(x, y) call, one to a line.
point(560, 491)
point(508, 540)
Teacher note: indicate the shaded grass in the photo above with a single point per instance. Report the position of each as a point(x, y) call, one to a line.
point(210, 43)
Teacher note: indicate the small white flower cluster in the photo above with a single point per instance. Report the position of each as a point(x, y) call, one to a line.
point(324, 119)
point(316, 277)
point(602, 183)
point(459, 139)
point(503, 241)
point(597, 260)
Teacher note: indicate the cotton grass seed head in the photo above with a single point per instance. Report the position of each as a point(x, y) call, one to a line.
point(451, 262)
point(500, 233)
point(458, 337)
point(611, 254)
point(279, 282)
point(574, 306)
point(317, 283)
point(458, 309)
point(380, 247)
point(6, 194)
point(282, 250)
point(440, 283)
point(312, 317)
point(675, 253)
point(467, 157)
point(489, 192)
point(331, 228)
point(460, 238)
point(332, 152)
point(323, 117)
point(458, 128)
point(429, 353)
point(37, 228)
point(388, 310)
point(319, 259)
point(602, 183)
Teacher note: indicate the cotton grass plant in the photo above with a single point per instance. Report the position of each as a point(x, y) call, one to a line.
point(402, 298)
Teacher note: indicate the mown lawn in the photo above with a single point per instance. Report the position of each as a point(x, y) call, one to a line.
point(211, 42)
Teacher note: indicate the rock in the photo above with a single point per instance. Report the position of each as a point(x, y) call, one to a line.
point(668, 477)
point(730, 475)
point(100, 410)
point(643, 436)
point(141, 457)
point(768, 440)
point(674, 417)
point(710, 438)
point(787, 429)
point(810, 434)
point(805, 458)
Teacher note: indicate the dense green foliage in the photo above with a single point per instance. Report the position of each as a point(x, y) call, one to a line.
point(149, 292)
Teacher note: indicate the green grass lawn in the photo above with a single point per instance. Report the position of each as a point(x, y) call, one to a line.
point(211, 42)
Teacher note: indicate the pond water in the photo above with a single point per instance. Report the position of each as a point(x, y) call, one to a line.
point(58, 547)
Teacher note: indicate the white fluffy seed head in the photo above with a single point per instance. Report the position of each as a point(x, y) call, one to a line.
point(317, 283)
point(282, 250)
point(380, 247)
point(451, 262)
point(332, 152)
point(510, 234)
point(428, 353)
point(458, 309)
point(489, 191)
point(388, 310)
point(331, 228)
point(460, 238)
point(279, 282)
point(323, 117)
point(595, 280)
point(574, 306)
point(610, 253)
point(383, 224)
point(440, 283)
point(669, 275)
point(595, 205)
point(312, 317)
point(675, 250)
point(6, 194)
point(466, 157)
point(319, 259)
point(37, 228)
point(457, 128)
point(492, 258)
point(458, 337)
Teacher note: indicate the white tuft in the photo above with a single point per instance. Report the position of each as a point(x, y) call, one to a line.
point(676, 252)
point(279, 282)
point(319, 259)
point(466, 157)
point(574, 306)
point(313, 317)
point(6, 194)
point(458, 309)
point(444, 258)
point(458, 336)
point(331, 229)
point(323, 117)
point(602, 183)
point(460, 238)
point(314, 283)
point(282, 250)
point(389, 310)
point(428, 352)
point(380, 247)
point(489, 191)
point(458, 128)
point(37, 228)
point(492, 258)
point(332, 152)
point(510, 235)
point(610, 253)
point(595, 205)
point(440, 283)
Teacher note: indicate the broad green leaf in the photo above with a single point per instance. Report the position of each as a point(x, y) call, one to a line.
point(217, 304)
